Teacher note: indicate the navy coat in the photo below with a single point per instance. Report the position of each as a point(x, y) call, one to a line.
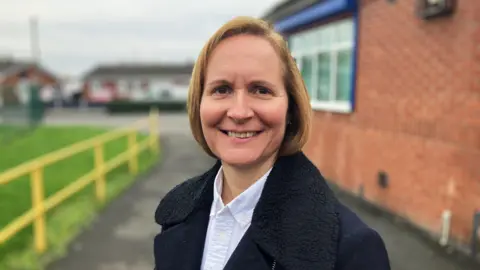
point(298, 224)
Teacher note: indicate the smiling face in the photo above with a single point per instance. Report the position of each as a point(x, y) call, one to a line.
point(244, 105)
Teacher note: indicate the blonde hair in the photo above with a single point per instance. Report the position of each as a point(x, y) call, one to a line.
point(299, 111)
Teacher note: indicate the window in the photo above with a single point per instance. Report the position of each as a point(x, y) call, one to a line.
point(324, 56)
point(306, 69)
point(122, 87)
point(96, 86)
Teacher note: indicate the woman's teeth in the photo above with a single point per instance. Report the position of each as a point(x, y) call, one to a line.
point(242, 135)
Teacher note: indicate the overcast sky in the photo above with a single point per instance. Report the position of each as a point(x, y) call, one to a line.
point(74, 36)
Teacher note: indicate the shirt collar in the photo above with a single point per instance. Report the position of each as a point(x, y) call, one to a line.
point(243, 205)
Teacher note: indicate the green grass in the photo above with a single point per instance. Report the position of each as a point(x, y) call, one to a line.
point(68, 219)
point(9, 134)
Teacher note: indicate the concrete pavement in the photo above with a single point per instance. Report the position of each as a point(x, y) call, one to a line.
point(121, 237)
point(407, 250)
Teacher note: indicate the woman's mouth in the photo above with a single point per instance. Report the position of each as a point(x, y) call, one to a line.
point(241, 135)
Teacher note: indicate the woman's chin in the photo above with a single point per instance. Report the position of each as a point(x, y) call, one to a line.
point(239, 159)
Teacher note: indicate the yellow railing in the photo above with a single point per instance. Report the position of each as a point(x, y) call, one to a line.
point(40, 204)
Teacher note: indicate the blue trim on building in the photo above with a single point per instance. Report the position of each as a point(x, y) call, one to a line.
point(353, 78)
point(316, 12)
point(322, 11)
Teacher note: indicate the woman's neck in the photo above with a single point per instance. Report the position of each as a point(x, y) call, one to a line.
point(236, 180)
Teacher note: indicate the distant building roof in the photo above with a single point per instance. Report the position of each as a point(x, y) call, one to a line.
point(287, 8)
point(4, 65)
point(10, 65)
point(141, 69)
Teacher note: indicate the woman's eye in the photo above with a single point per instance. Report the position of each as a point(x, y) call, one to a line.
point(221, 90)
point(262, 90)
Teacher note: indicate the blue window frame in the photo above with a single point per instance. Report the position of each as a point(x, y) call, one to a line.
point(326, 55)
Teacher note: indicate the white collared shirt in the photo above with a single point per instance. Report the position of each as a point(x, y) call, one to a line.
point(228, 223)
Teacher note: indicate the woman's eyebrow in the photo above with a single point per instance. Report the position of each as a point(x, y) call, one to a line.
point(218, 82)
point(263, 82)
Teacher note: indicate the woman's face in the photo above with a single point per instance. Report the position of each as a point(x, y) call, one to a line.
point(244, 104)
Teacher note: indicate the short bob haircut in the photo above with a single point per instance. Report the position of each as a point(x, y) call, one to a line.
point(299, 109)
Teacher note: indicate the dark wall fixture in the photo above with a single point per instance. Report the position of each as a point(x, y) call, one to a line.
point(429, 9)
point(361, 191)
point(382, 179)
point(476, 228)
point(392, 1)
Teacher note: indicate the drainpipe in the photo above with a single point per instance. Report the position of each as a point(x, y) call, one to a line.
point(475, 232)
point(446, 217)
point(447, 213)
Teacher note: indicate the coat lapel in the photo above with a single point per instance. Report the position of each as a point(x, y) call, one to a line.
point(294, 224)
point(181, 246)
point(249, 254)
point(184, 215)
point(295, 221)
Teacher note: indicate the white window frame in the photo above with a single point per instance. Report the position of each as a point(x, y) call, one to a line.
point(332, 105)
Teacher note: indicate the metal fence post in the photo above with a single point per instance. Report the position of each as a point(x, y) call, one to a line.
point(153, 126)
point(40, 236)
point(100, 171)
point(35, 104)
point(132, 149)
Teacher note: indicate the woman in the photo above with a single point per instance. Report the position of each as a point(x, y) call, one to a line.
point(263, 205)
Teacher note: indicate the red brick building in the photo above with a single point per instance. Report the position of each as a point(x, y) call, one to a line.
point(395, 86)
point(12, 71)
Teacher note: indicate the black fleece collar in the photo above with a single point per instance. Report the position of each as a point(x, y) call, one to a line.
point(294, 222)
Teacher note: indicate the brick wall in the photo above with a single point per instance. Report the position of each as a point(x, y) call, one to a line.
point(417, 116)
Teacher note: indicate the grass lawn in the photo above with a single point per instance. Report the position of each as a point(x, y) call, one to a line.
point(11, 133)
point(67, 220)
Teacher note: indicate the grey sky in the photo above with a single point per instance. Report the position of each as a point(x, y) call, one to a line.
point(77, 35)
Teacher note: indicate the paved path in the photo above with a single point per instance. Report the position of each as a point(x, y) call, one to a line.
point(406, 250)
point(121, 238)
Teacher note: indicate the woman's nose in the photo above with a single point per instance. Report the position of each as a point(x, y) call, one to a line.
point(240, 108)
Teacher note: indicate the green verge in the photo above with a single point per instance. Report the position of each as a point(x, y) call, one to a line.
point(68, 219)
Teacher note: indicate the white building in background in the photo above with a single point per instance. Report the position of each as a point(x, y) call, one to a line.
point(140, 82)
